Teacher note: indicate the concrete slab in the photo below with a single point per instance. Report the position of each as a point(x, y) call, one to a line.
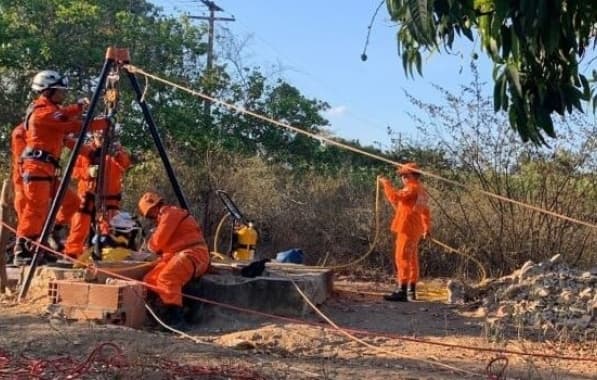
point(273, 292)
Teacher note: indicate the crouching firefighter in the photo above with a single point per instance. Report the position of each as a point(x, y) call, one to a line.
point(46, 125)
point(179, 242)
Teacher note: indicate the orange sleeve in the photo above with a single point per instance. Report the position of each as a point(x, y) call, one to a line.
point(168, 221)
point(426, 220)
point(393, 195)
point(122, 158)
point(72, 110)
point(56, 120)
point(80, 168)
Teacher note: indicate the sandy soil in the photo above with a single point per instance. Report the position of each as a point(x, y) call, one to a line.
point(280, 350)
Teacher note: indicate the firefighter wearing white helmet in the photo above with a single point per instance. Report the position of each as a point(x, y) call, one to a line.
point(49, 79)
point(47, 123)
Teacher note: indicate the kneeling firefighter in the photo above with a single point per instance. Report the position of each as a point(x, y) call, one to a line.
point(179, 242)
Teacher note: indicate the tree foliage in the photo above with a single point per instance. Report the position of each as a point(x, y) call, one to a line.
point(536, 47)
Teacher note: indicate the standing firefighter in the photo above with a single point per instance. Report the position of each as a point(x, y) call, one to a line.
point(86, 171)
point(179, 242)
point(46, 124)
point(411, 223)
point(17, 146)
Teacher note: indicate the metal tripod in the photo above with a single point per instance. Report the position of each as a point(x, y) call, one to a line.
point(115, 58)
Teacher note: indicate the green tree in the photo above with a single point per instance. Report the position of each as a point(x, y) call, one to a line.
point(536, 47)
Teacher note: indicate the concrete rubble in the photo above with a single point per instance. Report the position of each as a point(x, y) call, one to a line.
point(548, 296)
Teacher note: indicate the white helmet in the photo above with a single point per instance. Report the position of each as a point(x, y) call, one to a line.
point(123, 222)
point(48, 79)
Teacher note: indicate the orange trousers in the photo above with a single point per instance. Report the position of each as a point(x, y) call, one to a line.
point(172, 272)
point(19, 199)
point(80, 226)
point(38, 197)
point(406, 257)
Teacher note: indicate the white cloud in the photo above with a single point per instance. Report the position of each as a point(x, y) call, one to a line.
point(336, 111)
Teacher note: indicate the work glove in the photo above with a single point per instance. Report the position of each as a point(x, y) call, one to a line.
point(83, 103)
point(93, 171)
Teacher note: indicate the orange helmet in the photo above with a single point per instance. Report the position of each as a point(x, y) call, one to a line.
point(148, 201)
point(408, 168)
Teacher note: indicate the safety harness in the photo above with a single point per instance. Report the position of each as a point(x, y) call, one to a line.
point(37, 154)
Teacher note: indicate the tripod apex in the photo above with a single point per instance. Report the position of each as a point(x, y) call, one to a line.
point(119, 55)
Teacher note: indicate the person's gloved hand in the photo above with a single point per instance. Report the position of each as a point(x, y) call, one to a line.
point(83, 103)
point(254, 269)
point(93, 171)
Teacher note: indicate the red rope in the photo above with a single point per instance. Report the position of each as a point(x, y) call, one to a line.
point(496, 368)
point(97, 362)
point(320, 324)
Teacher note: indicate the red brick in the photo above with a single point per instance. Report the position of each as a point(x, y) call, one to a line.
point(119, 303)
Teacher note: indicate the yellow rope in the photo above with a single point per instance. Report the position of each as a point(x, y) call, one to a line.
point(215, 252)
point(375, 236)
point(134, 69)
point(482, 270)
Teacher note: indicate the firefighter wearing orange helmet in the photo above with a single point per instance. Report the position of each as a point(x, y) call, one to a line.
point(411, 223)
point(86, 171)
point(46, 124)
point(179, 242)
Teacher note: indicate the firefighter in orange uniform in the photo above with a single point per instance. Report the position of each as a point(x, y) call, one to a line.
point(86, 171)
point(46, 124)
point(411, 223)
point(179, 242)
point(17, 146)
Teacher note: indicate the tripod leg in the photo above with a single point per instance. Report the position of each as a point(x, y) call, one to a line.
point(158, 142)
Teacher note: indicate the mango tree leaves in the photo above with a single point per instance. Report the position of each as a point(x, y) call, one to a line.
point(536, 46)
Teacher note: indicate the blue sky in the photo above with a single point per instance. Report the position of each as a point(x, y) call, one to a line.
point(318, 44)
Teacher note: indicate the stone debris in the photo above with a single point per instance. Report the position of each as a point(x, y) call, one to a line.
point(548, 296)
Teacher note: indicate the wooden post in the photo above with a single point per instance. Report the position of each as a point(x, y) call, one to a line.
point(5, 217)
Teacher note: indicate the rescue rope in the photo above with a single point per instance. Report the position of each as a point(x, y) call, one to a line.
point(368, 345)
point(136, 70)
point(316, 324)
point(375, 237)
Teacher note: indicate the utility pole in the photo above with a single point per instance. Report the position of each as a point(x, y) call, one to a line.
point(211, 19)
point(213, 8)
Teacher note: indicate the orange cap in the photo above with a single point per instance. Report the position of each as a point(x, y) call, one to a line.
point(409, 168)
point(148, 201)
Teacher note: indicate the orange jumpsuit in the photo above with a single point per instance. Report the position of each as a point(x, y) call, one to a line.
point(184, 255)
point(17, 146)
point(46, 128)
point(411, 221)
point(115, 168)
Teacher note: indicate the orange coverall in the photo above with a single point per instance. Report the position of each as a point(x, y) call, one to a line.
point(411, 221)
point(17, 146)
point(115, 168)
point(46, 128)
point(184, 255)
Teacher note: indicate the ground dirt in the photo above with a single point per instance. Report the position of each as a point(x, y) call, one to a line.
point(273, 349)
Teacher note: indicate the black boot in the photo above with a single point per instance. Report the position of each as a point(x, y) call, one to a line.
point(398, 296)
point(412, 292)
point(22, 253)
point(55, 238)
point(175, 318)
